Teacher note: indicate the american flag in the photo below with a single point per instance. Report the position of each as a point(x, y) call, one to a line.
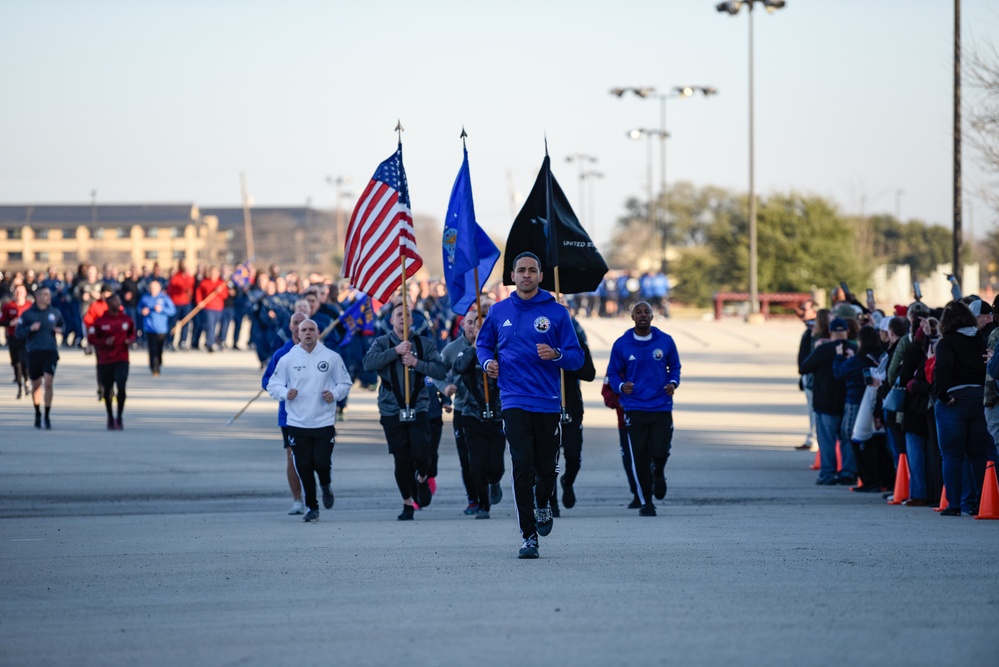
point(380, 231)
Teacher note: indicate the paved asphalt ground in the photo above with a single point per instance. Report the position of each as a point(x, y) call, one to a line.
point(168, 543)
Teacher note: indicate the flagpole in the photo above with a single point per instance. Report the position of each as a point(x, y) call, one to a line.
point(197, 309)
point(552, 240)
point(248, 403)
point(487, 413)
point(404, 410)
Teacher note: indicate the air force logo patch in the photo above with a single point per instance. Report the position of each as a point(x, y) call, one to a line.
point(323, 366)
point(542, 324)
point(657, 355)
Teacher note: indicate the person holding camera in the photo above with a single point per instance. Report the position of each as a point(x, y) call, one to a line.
point(854, 368)
point(829, 402)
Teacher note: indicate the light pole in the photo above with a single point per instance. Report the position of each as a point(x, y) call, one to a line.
point(649, 92)
point(732, 7)
point(590, 175)
point(648, 134)
point(338, 184)
point(581, 159)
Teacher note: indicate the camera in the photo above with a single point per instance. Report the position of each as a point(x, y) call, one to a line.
point(868, 379)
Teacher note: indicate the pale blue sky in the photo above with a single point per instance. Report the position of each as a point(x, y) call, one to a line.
point(168, 101)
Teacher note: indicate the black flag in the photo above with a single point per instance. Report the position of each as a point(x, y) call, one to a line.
point(547, 227)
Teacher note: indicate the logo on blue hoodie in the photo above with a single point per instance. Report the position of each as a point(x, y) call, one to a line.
point(542, 324)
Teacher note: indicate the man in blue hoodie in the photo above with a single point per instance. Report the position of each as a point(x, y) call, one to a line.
point(644, 369)
point(522, 344)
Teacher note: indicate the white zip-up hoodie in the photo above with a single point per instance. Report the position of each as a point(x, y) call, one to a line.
point(310, 374)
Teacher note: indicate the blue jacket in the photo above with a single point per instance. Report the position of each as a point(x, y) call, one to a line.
point(157, 323)
point(511, 333)
point(651, 364)
point(851, 371)
point(271, 365)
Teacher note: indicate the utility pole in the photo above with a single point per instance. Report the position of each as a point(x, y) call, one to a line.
point(956, 268)
point(247, 222)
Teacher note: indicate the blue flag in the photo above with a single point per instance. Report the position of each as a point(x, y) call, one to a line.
point(466, 245)
point(243, 275)
point(357, 316)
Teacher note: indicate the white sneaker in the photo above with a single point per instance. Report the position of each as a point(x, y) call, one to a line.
point(297, 508)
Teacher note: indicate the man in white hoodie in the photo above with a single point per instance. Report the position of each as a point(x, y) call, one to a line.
point(310, 379)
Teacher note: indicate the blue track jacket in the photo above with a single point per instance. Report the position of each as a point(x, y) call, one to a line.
point(511, 334)
point(650, 364)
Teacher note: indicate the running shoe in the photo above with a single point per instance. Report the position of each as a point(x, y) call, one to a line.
point(530, 548)
point(635, 503)
point(432, 482)
point(659, 486)
point(19, 390)
point(472, 508)
point(647, 510)
point(311, 515)
point(118, 425)
point(407, 513)
point(328, 497)
point(110, 423)
point(38, 421)
point(482, 514)
point(48, 423)
point(543, 516)
point(297, 507)
point(423, 494)
point(568, 495)
point(495, 493)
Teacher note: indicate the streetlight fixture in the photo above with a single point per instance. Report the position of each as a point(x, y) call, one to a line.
point(649, 92)
point(732, 7)
point(581, 159)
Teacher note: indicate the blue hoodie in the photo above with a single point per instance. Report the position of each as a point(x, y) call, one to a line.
point(511, 332)
point(651, 364)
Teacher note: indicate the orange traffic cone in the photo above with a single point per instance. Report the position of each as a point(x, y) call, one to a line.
point(818, 462)
point(901, 481)
point(989, 508)
point(859, 486)
point(943, 501)
point(839, 457)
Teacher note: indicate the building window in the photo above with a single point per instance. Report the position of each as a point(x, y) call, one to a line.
point(44, 257)
point(174, 232)
point(154, 254)
point(121, 233)
point(14, 233)
point(179, 254)
point(42, 234)
point(152, 232)
point(69, 257)
point(15, 257)
point(98, 233)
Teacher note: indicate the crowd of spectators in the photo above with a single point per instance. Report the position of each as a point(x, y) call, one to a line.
point(907, 387)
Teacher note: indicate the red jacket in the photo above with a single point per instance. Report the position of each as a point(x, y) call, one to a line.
point(612, 401)
point(111, 334)
point(206, 287)
point(180, 289)
point(10, 313)
point(97, 308)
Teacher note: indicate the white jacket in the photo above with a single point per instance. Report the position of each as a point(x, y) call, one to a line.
point(310, 374)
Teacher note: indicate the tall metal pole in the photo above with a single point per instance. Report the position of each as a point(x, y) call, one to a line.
point(956, 268)
point(754, 298)
point(247, 222)
point(662, 174)
point(648, 175)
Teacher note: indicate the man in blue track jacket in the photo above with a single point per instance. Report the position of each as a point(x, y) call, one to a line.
point(522, 344)
point(644, 369)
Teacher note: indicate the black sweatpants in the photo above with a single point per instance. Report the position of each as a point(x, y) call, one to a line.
point(312, 451)
point(629, 469)
point(459, 442)
point(109, 376)
point(534, 439)
point(486, 447)
point(154, 342)
point(436, 431)
point(572, 451)
point(650, 436)
point(409, 445)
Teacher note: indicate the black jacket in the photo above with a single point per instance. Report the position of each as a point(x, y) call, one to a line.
point(829, 393)
point(960, 360)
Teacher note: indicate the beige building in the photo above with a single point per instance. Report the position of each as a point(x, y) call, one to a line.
point(63, 236)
